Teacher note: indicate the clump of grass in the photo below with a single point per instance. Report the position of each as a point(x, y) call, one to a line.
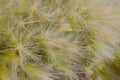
point(59, 39)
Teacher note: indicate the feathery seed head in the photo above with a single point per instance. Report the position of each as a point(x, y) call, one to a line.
point(59, 39)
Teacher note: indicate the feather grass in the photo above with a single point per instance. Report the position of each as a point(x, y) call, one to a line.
point(59, 39)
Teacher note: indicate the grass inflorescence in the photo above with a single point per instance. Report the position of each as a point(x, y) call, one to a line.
point(59, 40)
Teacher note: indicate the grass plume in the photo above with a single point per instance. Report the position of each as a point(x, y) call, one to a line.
point(59, 39)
